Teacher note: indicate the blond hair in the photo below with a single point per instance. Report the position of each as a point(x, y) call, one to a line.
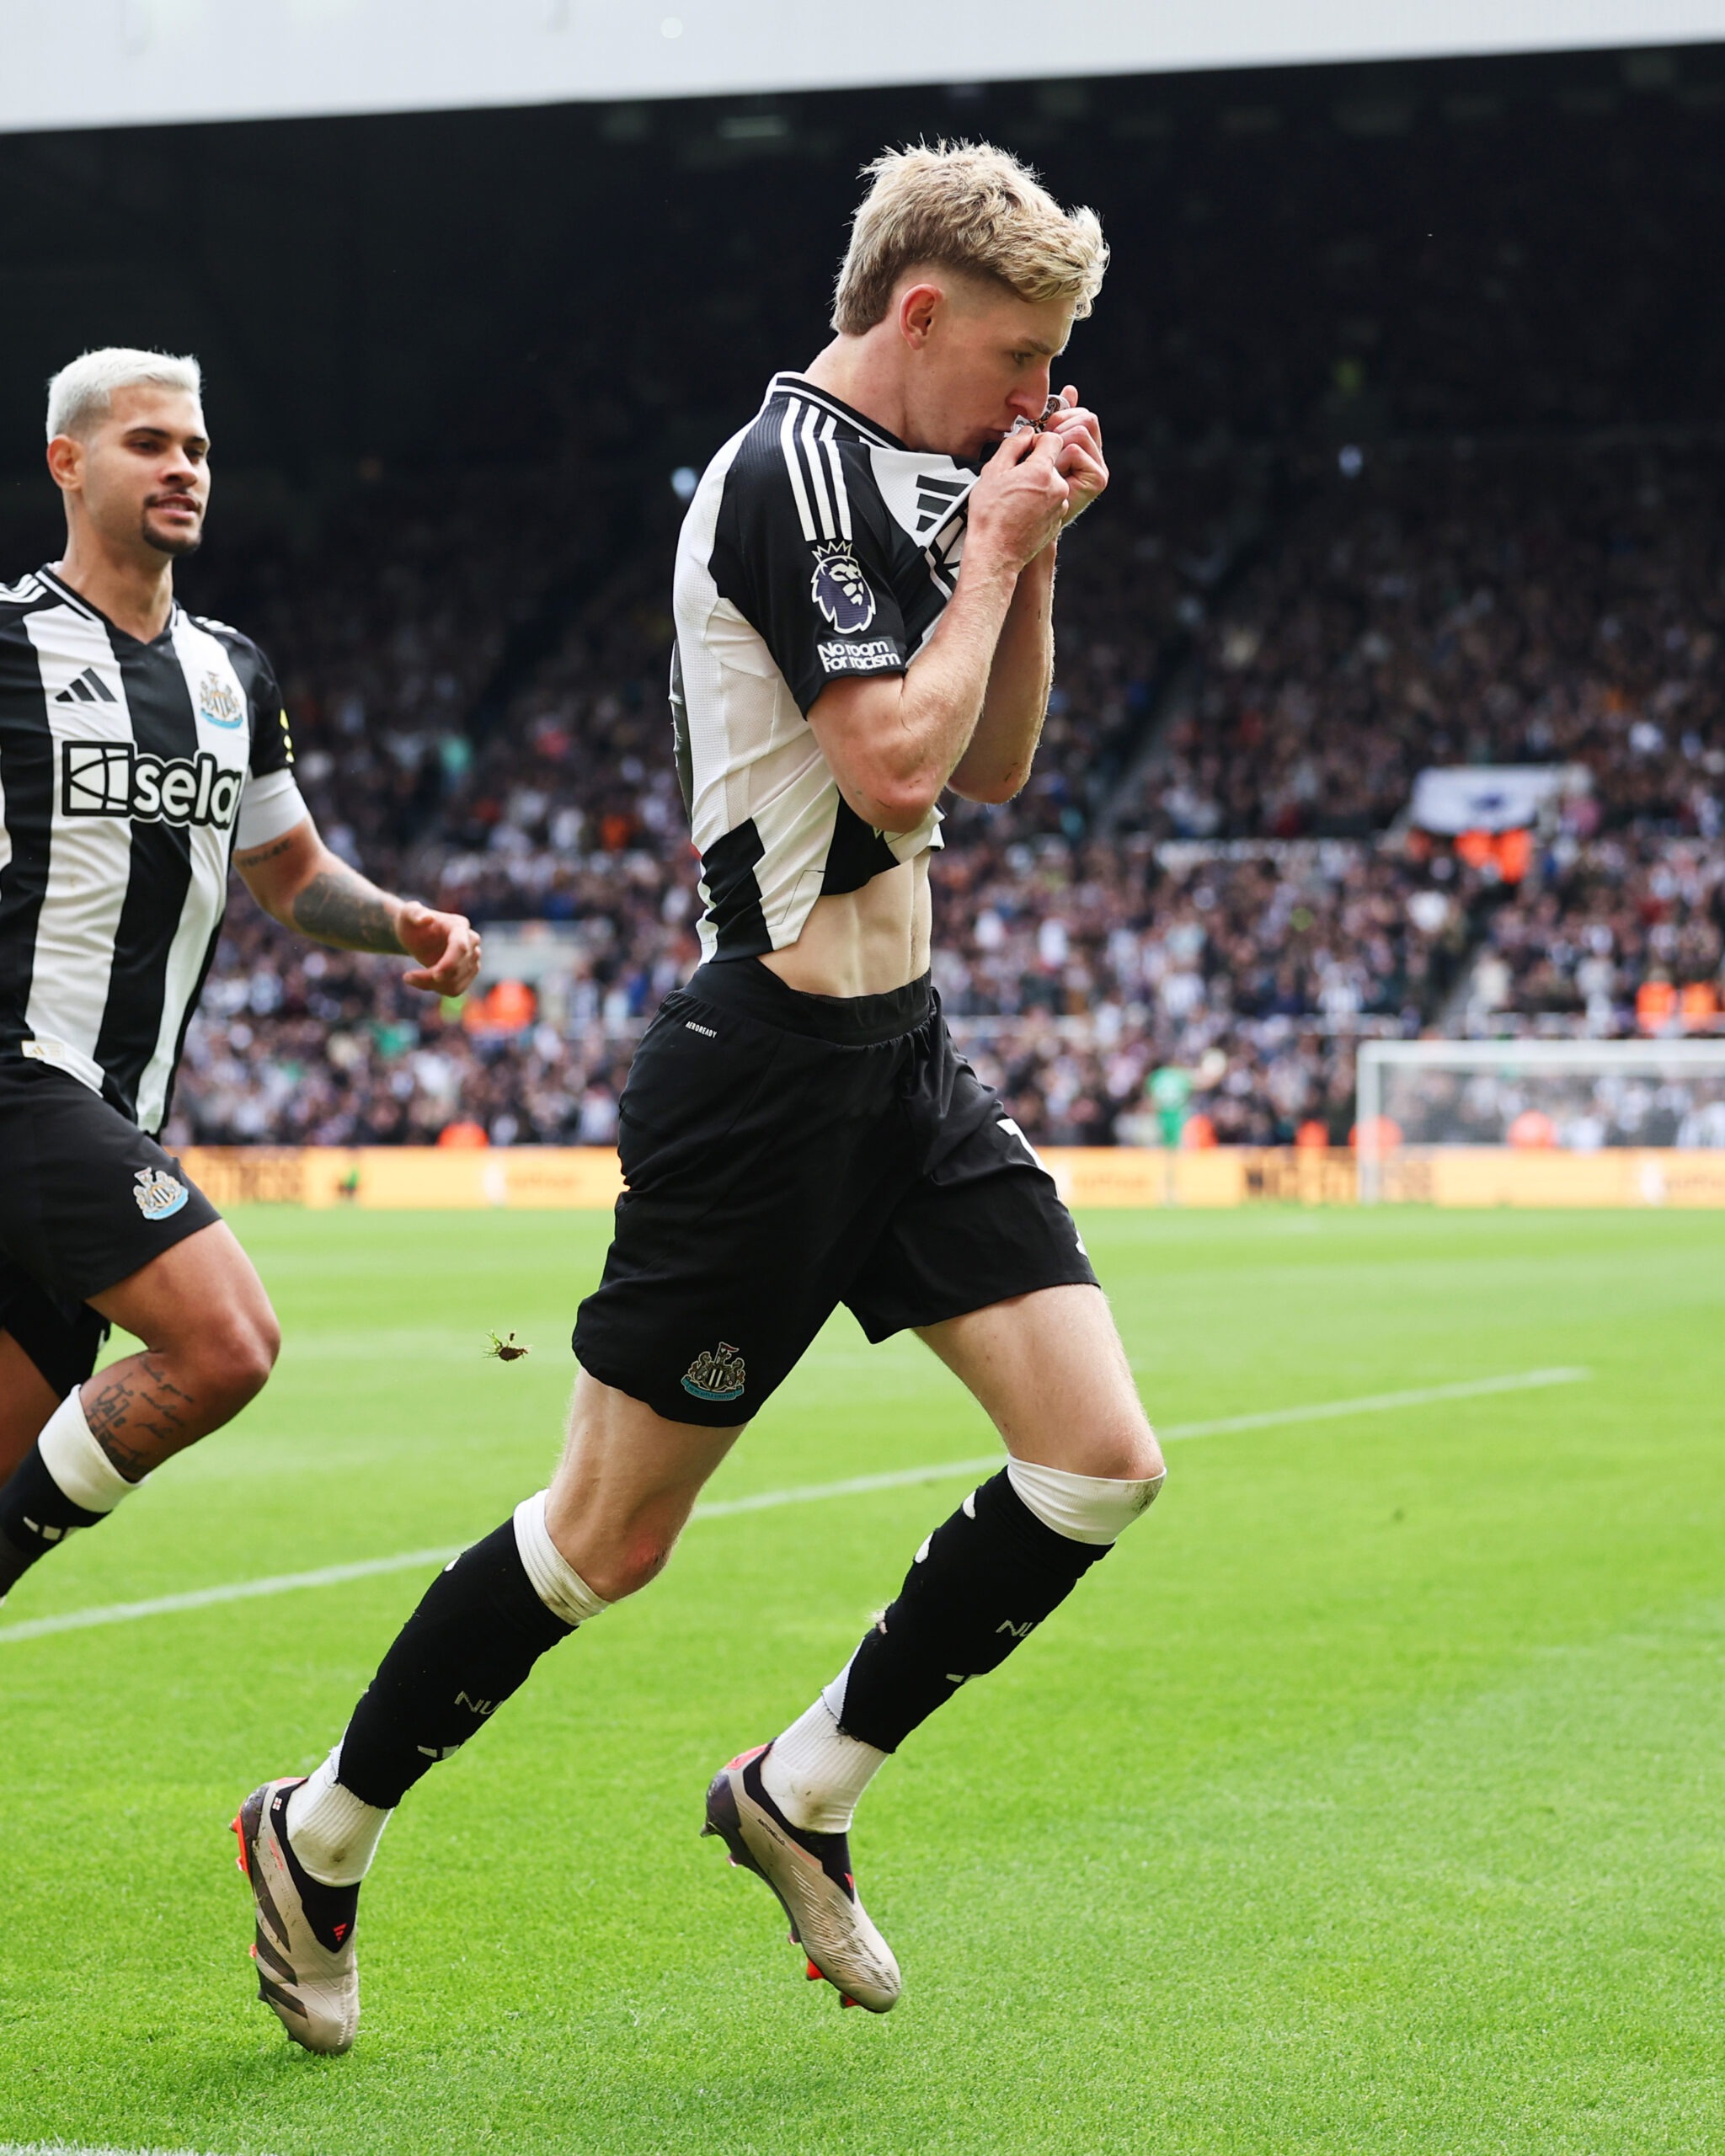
point(81, 394)
point(969, 207)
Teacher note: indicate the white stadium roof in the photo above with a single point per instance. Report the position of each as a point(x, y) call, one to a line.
point(92, 63)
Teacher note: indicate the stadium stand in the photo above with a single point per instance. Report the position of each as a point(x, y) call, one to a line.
point(1253, 893)
point(1417, 462)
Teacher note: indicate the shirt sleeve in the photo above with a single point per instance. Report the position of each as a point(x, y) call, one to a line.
point(805, 559)
point(268, 808)
point(272, 743)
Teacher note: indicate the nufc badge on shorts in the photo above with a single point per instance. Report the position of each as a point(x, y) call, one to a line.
point(841, 590)
point(720, 1374)
point(159, 1195)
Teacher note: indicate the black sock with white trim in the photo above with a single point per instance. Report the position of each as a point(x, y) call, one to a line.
point(981, 1584)
point(35, 1517)
point(479, 1628)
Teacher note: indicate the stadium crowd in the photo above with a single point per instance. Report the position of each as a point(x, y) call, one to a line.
point(1442, 610)
point(1253, 891)
point(1399, 532)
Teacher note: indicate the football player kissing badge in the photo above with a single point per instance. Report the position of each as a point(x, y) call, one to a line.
point(841, 590)
point(159, 1195)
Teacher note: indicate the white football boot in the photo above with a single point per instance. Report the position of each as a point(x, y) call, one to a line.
point(811, 1875)
point(304, 1948)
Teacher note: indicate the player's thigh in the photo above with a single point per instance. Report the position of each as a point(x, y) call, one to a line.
point(27, 1400)
point(1050, 1368)
point(201, 1296)
point(625, 1485)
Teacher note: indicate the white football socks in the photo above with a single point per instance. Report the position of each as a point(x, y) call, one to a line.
point(815, 1773)
point(78, 1465)
point(335, 1833)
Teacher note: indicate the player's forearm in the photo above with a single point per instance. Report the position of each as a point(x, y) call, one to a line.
point(338, 906)
point(997, 759)
point(941, 697)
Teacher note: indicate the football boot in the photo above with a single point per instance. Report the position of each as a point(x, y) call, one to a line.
point(811, 1875)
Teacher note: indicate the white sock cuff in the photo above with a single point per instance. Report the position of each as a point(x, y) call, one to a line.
point(77, 1462)
point(555, 1580)
point(1083, 1508)
point(335, 1833)
point(815, 1773)
point(833, 1694)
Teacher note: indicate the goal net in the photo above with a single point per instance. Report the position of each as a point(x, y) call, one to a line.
point(1579, 1096)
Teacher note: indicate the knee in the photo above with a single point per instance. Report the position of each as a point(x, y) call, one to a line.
point(235, 1354)
point(613, 1562)
point(1128, 1453)
point(634, 1562)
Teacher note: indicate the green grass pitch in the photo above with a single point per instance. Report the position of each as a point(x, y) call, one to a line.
point(1370, 1797)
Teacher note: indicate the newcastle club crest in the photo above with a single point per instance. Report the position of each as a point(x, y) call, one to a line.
point(716, 1374)
point(159, 1195)
point(218, 703)
point(841, 590)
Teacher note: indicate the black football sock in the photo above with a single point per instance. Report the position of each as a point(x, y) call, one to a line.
point(983, 1581)
point(469, 1645)
point(35, 1517)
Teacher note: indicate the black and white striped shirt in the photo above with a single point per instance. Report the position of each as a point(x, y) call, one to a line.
point(126, 771)
point(816, 548)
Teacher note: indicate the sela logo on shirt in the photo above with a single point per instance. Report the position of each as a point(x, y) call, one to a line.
point(159, 1195)
point(219, 703)
point(841, 590)
point(856, 657)
point(117, 778)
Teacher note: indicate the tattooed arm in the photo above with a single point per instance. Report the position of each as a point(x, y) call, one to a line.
point(297, 879)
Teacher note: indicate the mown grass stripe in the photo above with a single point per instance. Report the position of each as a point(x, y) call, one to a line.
point(1377, 1403)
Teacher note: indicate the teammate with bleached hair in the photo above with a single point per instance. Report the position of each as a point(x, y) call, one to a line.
point(142, 750)
point(862, 597)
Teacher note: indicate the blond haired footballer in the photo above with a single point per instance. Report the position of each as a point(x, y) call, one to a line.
point(863, 594)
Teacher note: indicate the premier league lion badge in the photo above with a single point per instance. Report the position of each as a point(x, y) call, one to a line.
point(841, 590)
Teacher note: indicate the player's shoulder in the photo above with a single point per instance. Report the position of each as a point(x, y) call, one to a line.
point(804, 462)
point(247, 655)
point(27, 595)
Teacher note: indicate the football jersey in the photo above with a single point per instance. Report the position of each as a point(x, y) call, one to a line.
point(816, 548)
point(123, 766)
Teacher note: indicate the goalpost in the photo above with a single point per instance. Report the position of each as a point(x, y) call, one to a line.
point(1578, 1094)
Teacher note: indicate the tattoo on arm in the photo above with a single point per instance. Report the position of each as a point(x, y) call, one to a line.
point(138, 1415)
point(260, 854)
point(341, 908)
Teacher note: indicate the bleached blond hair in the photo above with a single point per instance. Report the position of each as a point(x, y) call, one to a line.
point(970, 207)
point(82, 394)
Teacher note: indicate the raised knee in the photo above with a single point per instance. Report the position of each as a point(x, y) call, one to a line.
point(1138, 1458)
point(1129, 1454)
point(236, 1356)
point(612, 1564)
point(637, 1563)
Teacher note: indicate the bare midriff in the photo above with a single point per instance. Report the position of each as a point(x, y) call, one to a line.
point(865, 942)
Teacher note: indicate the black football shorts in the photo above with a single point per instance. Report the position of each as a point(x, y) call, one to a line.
point(785, 1153)
point(88, 1200)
